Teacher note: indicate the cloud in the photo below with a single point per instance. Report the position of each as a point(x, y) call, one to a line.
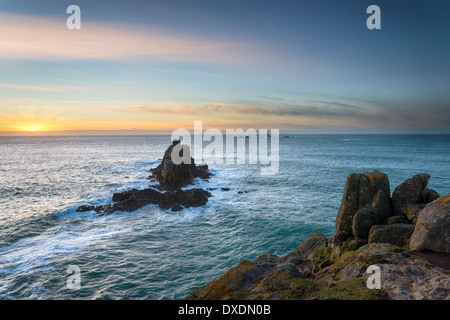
point(37, 38)
point(166, 108)
point(294, 110)
point(45, 89)
point(271, 98)
point(354, 114)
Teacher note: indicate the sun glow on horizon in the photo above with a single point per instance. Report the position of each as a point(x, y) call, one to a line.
point(32, 127)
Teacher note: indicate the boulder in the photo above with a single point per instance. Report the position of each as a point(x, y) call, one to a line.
point(410, 197)
point(432, 230)
point(412, 210)
point(366, 202)
point(314, 242)
point(370, 215)
point(370, 184)
point(395, 234)
point(428, 195)
point(397, 219)
point(198, 197)
point(348, 208)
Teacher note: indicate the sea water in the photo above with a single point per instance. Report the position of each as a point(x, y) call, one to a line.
point(157, 254)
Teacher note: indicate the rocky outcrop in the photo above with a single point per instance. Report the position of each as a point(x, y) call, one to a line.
point(257, 279)
point(171, 177)
point(410, 197)
point(366, 202)
point(314, 242)
point(348, 208)
point(432, 230)
point(405, 276)
point(126, 201)
point(366, 235)
point(180, 199)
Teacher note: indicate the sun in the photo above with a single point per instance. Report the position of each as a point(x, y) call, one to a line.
point(32, 127)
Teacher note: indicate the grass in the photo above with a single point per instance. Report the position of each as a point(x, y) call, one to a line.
point(303, 289)
point(351, 289)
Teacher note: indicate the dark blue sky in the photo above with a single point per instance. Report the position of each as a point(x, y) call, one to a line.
point(310, 66)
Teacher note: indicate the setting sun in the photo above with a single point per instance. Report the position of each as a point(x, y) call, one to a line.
point(32, 127)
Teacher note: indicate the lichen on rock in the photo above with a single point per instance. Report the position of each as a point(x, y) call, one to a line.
point(366, 235)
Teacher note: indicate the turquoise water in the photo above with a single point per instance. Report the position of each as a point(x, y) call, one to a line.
point(157, 254)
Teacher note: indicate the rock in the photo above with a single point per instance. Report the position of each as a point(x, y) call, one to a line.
point(198, 197)
point(366, 201)
point(412, 210)
point(353, 270)
point(293, 257)
point(428, 195)
point(314, 242)
point(371, 215)
point(187, 198)
point(397, 219)
point(225, 189)
point(348, 208)
point(415, 282)
point(396, 234)
point(130, 200)
point(357, 243)
point(370, 184)
point(403, 276)
point(335, 253)
point(432, 230)
point(338, 271)
point(243, 277)
point(124, 195)
point(173, 176)
point(170, 175)
point(439, 259)
point(85, 208)
point(176, 207)
point(411, 191)
point(280, 277)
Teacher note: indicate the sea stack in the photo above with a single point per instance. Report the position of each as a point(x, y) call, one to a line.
point(171, 178)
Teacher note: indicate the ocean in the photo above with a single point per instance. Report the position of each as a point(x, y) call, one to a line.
point(156, 254)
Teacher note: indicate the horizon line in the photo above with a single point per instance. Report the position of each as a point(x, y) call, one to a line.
point(135, 132)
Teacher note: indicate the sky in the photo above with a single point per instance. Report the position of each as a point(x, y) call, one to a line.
point(297, 66)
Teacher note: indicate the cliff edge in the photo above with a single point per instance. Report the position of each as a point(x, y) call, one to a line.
point(406, 236)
